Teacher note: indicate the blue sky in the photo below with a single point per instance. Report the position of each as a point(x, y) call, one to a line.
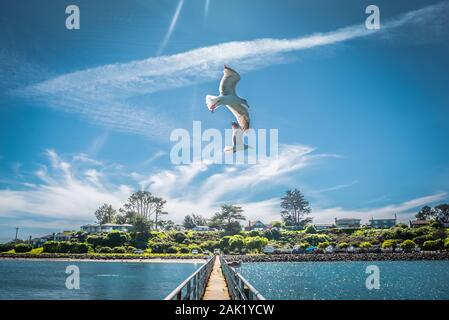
point(86, 115)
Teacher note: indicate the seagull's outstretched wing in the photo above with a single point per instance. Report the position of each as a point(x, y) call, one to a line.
point(241, 113)
point(229, 81)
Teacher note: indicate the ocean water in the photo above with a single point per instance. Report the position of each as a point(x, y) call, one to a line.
point(399, 280)
point(26, 279)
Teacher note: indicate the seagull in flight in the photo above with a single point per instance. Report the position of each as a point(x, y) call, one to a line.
point(237, 140)
point(228, 97)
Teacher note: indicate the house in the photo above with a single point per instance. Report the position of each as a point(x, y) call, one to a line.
point(107, 227)
point(347, 223)
point(256, 225)
point(203, 228)
point(418, 223)
point(39, 242)
point(383, 223)
point(323, 226)
point(63, 236)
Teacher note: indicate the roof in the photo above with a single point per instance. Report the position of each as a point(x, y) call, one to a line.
point(347, 219)
point(419, 222)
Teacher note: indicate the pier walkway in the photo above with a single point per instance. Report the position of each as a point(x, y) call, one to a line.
point(216, 288)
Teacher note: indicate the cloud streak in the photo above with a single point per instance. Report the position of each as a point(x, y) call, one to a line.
point(102, 94)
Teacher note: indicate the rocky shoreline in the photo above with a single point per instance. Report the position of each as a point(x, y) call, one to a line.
point(400, 256)
point(91, 257)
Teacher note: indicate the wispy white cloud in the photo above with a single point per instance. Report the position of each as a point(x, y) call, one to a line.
point(172, 26)
point(102, 94)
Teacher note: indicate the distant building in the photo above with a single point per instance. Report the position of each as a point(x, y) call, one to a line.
point(203, 228)
point(347, 223)
point(256, 225)
point(323, 226)
point(107, 227)
point(383, 223)
point(38, 242)
point(62, 236)
point(418, 223)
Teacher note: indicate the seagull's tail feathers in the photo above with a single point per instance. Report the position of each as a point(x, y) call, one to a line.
point(212, 102)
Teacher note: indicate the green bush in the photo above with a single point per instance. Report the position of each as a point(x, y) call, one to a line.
point(408, 245)
point(130, 249)
point(236, 243)
point(95, 240)
point(314, 239)
point(50, 247)
point(6, 247)
point(446, 243)
point(119, 250)
point(179, 237)
point(366, 245)
point(171, 249)
point(310, 229)
point(64, 247)
point(432, 245)
point(104, 250)
point(323, 245)
point(22, 247)
point(388, 244)
point(184, 250)
point(116, 239)
point(343, 245)
point(255, 243)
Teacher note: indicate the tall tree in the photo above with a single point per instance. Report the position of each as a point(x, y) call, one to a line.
point(191, 221)
point(105, 214)
point(295, 208)
point(425, 213)
point(228, 218)
point(145, 205)
point(442, 213)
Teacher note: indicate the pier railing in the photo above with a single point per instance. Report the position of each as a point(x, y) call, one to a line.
point(239, 288)
point(193, 287)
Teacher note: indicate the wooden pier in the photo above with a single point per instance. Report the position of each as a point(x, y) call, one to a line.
point(216, 288)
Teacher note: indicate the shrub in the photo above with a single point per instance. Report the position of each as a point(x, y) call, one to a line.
point(255, 243)
point(171, 249)
point(64, 247)
point(388, 244)
point(431, 245)
point(314, 239)
point(366, 245)
point(95, 240)
point(184, 250)
point(236, 243)
point(104, 250)
point(408, 245)
point(50, 247)
point(158, 247)
point(22, 247)
point(116, 239)
point(119, 250)
point(310, 229)
point(323, 245)
point(446, 243)
point(130, 249)
point(179, 237)
point(343, 245)
point(4, 247)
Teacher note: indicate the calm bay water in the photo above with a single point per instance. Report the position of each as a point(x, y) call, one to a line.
point(346, 280)
point(26, 279)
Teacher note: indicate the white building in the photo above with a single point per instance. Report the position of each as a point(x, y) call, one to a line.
point(107, 227)
point(203, 228)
